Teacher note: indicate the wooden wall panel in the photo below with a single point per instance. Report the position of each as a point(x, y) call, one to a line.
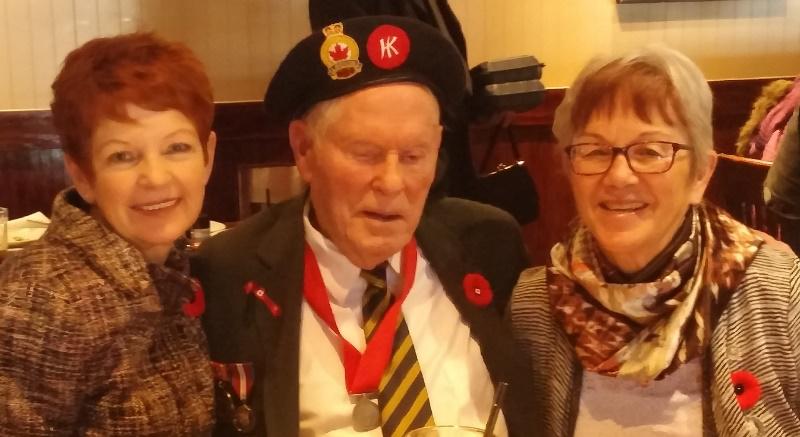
point(31, 162)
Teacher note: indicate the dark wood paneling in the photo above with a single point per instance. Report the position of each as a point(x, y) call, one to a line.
point(31, 162)
point(245, 137)
point(31, 172)
point(733, 100)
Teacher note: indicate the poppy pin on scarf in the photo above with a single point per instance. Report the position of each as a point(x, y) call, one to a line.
point(477, 289)
point(197, 306)
point(251, 287)
point(746, 387)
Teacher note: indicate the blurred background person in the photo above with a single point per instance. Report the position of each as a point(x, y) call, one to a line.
point(658, 314)
point(782, 183)
point(98, 320)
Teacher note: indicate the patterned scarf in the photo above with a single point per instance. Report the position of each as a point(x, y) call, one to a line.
point(644, 331)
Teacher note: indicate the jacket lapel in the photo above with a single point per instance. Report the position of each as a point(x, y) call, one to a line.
point(451, 262)
point(280, 255)
point(445, 253)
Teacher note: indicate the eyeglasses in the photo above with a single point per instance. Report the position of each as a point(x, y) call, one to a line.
point(646, 157)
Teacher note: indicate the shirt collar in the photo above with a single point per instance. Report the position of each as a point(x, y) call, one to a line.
point(343, 272)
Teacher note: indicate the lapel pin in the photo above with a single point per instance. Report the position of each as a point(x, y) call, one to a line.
point(477, 290)
point(197, 306)
point(251, 287)
point(746, 387)
point(748, 391)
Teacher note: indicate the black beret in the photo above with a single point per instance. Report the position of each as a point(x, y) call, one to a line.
point(360, 52)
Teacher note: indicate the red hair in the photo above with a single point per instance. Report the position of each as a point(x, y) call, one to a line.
point(102, 76)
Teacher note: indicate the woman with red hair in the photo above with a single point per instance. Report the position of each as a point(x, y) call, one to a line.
point(98, 320)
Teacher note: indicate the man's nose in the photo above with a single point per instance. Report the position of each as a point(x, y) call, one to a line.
point(390, 175)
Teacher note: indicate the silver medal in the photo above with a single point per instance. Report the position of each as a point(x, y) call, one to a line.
point(366, 414)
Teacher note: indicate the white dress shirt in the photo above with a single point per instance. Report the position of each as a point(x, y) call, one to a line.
point(458, 383)
point(616, 407)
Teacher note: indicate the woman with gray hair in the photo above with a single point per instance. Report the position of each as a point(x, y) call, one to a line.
point(658, 314)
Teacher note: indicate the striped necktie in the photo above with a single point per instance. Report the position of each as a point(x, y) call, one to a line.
point(402, 399)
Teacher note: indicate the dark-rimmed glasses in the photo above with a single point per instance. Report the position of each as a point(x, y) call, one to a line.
point(646, 157)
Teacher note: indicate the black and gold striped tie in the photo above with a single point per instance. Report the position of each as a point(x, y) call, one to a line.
point(403, 399)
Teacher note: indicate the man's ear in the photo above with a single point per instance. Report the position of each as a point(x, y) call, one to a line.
point(301, 141)
point(82, 181)
point(211, 149)
point(702, 178)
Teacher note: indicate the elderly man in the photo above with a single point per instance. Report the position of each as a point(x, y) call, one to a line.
point(363, 307)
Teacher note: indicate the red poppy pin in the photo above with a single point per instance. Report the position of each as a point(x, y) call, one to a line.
point(197, 306)
point(746, 387)
point(251, 287)
point(477, 289)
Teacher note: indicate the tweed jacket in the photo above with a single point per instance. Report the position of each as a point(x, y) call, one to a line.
point(758, 331)
point(456, 236)
point(93, 341)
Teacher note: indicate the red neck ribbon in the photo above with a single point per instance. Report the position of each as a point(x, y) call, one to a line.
point(362, 371)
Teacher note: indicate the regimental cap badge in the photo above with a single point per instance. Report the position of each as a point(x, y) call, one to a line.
point(339, 53)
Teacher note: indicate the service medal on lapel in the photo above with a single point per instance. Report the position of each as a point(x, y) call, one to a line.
point(234, 383)
point(260, 293)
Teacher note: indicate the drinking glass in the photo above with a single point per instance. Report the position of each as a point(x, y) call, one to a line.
point(446, 431)
point(3, 228)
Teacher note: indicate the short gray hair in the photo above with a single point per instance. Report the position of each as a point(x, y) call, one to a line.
point(688, 91)
point(320, 116)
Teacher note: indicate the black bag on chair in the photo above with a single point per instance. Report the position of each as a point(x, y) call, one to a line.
point(509, 84)
point(510, 186)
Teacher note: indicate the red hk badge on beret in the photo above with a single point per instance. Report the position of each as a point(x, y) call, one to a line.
point(388, 46)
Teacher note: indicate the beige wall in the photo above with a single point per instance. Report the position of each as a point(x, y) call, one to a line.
point(242, 41)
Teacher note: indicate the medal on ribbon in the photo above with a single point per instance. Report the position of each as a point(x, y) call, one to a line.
point(366, 413)
point(362, 370)
point(235, 380)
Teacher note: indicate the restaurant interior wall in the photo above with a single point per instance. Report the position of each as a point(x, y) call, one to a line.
point(242, 41)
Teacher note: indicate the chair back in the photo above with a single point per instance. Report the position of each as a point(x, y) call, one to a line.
point(737, 187)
